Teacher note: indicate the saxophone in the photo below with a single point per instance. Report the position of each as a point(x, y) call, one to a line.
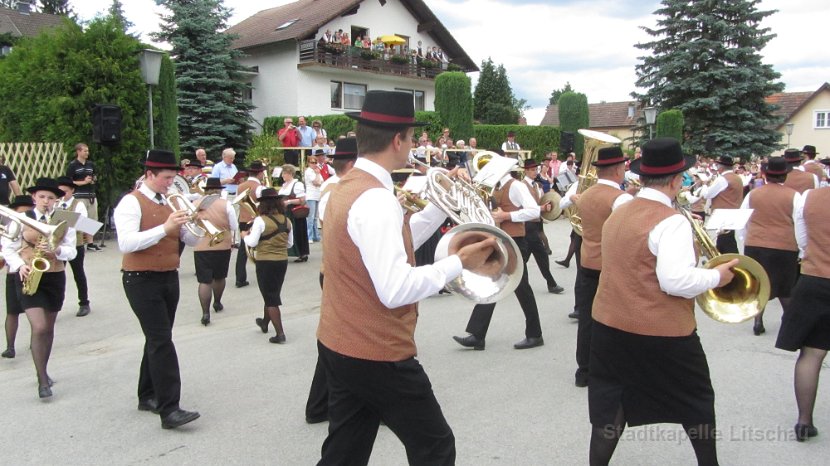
point(39, 266)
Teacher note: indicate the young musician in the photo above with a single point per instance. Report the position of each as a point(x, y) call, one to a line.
point(256, 173)
point(271, 235)
point(534, 228)
point(798, 178)
point(726, 192)
point(43, 305)
point(21, 204)
point(68, 202)
point(148, 235)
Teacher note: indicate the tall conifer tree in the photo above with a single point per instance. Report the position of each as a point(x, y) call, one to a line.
point(493, 98)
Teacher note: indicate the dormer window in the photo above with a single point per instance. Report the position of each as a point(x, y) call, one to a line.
point(286, 24)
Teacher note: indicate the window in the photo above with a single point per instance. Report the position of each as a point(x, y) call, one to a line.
point(348, 96)
point(419, 98)
point(286, 24)
point(358, 31)
point(821, 119)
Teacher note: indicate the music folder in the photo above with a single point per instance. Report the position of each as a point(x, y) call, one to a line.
point(76, 221)
point(728, 219)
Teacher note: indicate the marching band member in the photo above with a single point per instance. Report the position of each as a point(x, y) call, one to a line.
point(770, 234)
point(726, 192)
point(42, 307)
point(254, 185)
point(194, 176)
point(575, 245)
point(515, 206)
point(534, 228)
point(68, 202)
point(212, 261)
point(366, 336)
point(148, 235)
point(811, 165)
point(799, 179)
point(647, 364)
point(271, 235)
point(22, 203)
point(595, 206)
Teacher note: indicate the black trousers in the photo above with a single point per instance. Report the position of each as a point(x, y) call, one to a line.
point(483, 313)
point(241, 269)
point(585, 289)
point(362, 393)
point(77, 266)
point(317, 406)
point(533, 236)
point(727, 243)
point(153, 297)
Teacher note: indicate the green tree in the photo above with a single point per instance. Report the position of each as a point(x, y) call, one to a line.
point(56, 7)
point(167, 116)
point(670, 124)
point(494, 102)
point(116, 11)
point(454, 102)
point(573, 115)
point(557, 93)
point(705, 60)
point(212, 110)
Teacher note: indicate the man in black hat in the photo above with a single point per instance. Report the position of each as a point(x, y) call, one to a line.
point(769, 236)
point(534, 228)
point(369, 307)
point(510, 144)
point(797, 178)
point(148, 235)
point(647, 364)
point(726, 192)
point(68, 202)
point(595, 205)
point(21, 203)
point(811, 165)
point(256, 173)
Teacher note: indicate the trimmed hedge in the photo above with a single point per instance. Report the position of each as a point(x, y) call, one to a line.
point(573, 115)
point(454, 103)
point(539, 139)
point(670, 124)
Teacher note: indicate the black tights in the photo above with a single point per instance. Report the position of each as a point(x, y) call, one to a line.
point(604, 441)
point(807, 369)
point(272, 314)
point(213, 290)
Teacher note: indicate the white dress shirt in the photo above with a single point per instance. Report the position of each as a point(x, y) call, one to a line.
point(520, 196)
point(293, 187)
point(566, 201)
point(740, 235)
point(312, 193)
point(717, 187)
point(374, 224)
point(127, 217)
point(259, 187)
point(64, 252)
point(800, 225)
point(510, 146)
point(324, 198)
point(257, 228)
point(671, 242)
point(80, 208)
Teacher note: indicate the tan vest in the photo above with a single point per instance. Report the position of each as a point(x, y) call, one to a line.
point(732, 196)
point(816, 168)
point(800, 181)
point(816, 260)
point(30, 240)
point(771, 224)
point(502, 198)
point(244, 215)
point(594, 207)
point(218, 216)
point(160, 257)
point(273, 248)
point(629, 297)
point(353, 321)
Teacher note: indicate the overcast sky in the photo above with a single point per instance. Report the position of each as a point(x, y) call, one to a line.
point(589, 43)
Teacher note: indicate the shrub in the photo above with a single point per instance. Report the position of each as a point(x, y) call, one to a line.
point(670, 124)
point(539, 139)
point(454, 103)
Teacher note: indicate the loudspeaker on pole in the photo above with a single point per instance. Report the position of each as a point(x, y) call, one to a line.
point(106, 124)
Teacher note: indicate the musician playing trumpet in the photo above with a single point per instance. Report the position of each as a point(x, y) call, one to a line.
point(42, 307)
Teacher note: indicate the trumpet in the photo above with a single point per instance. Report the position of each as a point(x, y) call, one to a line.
point(196, 226)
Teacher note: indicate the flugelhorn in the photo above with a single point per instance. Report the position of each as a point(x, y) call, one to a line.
point(196, 226)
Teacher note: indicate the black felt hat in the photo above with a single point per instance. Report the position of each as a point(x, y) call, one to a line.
point(609, 156)
point(808, 149)
point(256, 166)
point(194, 163)
point(777, 166)
point(389, 109)
point(793, 156)
point(46, 184)
point(160, 158)
point(23, 200)
point(530, 163)
point(662, 157)
point(825, 161)
point(269, 193)
point(726, 160)
point(346, 148)
point(65, 181)
point(213, 183)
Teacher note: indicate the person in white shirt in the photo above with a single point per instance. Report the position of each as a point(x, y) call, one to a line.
point(42, 305)
point(510, 144)
point(226, 171)
point(295, 194)
point(313, 182)
point(68, 202)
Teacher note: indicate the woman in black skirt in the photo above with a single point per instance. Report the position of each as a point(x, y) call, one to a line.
point(805, 327)
point(21, 204)
point(271, 235)
point(42, 306)
point(294, 191)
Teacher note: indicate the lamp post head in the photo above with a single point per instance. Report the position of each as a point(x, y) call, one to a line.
point(150, 61)
point(650, 114)
point(789, 127)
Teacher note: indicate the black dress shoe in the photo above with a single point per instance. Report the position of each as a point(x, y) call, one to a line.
point(804, 431)
point(316, 419)
point(9, 353)
point(530, 342)
point(581, 379)
point(44, 391)
point(565, 264)
point(83, 310)
point(758, 329)
point(242, 284)
point(470, 341)
point(206, 319)
point(218, 307)
point(178, 418)
point(149, 405)
point(555, 289)
point(574, 314)
point(280, 339)
point(262, 323)
point(301, 259)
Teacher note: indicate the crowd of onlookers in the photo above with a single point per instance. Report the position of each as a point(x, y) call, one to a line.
point(340, 42)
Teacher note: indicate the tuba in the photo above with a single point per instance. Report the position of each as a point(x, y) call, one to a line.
point(739, 300)
point(587, 172)
point(196, 226)
point(50, 235)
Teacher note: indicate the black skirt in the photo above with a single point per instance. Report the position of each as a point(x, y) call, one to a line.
point(12, 301)
point(270, 276)
point(211, 265)
point(49, 294)
point(655, 379)
point(807, 321)
point(300, 232)
point(781, 267)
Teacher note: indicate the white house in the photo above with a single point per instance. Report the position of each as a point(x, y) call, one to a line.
point(292, 73)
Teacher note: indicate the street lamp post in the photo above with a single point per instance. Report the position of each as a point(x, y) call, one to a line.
point(789, 127)
point(150, 68)
point(651, 117)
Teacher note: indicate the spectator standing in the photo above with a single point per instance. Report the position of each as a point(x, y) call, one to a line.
point(226, 171)
point(307, 133)
point(313, 181)
point(82, 172)
point(201, 155)
point(289, 137)
point(8, 182)
point(510, 144)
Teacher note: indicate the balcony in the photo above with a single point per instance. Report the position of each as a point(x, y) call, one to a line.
point(359, 59)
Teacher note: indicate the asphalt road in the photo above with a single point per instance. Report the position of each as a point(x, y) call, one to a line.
point(505, 406)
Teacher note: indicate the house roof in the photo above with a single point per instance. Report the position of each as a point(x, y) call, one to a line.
point(789, 103)
point(26, 24)
point(309, 16)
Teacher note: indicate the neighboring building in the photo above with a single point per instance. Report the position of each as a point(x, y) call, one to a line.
point(293, 74)
point(22, 22)
point(615, 118)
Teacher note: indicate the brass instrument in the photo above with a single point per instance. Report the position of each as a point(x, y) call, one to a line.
point(244, 201)
point(739, 300)
point(50, 236)
point(587, 172)
point(411, 201)
point(196, 226)
point(553, 198)
point(198, 183)
point(266, 179)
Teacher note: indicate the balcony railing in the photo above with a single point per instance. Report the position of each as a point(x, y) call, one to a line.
point(355, 58)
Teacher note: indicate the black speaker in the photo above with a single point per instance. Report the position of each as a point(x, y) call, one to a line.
point(106, 124)
point(566, 142)
point(710, 144)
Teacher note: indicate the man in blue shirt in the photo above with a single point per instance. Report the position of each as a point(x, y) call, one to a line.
point(307, 133)
point(226, 171)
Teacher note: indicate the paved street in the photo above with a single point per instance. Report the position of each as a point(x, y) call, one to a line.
point(506, 407)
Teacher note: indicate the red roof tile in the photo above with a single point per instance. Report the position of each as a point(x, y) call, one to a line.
point(26, 24)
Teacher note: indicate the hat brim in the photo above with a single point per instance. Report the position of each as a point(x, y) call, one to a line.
point(726, 164)
point(15, 205)
point(778, 173)
point(609, 162)
point(71, 185)
point(160, 166)
point(383, 123)
point(56, 191)
point(689, 161)
point(344, 156)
